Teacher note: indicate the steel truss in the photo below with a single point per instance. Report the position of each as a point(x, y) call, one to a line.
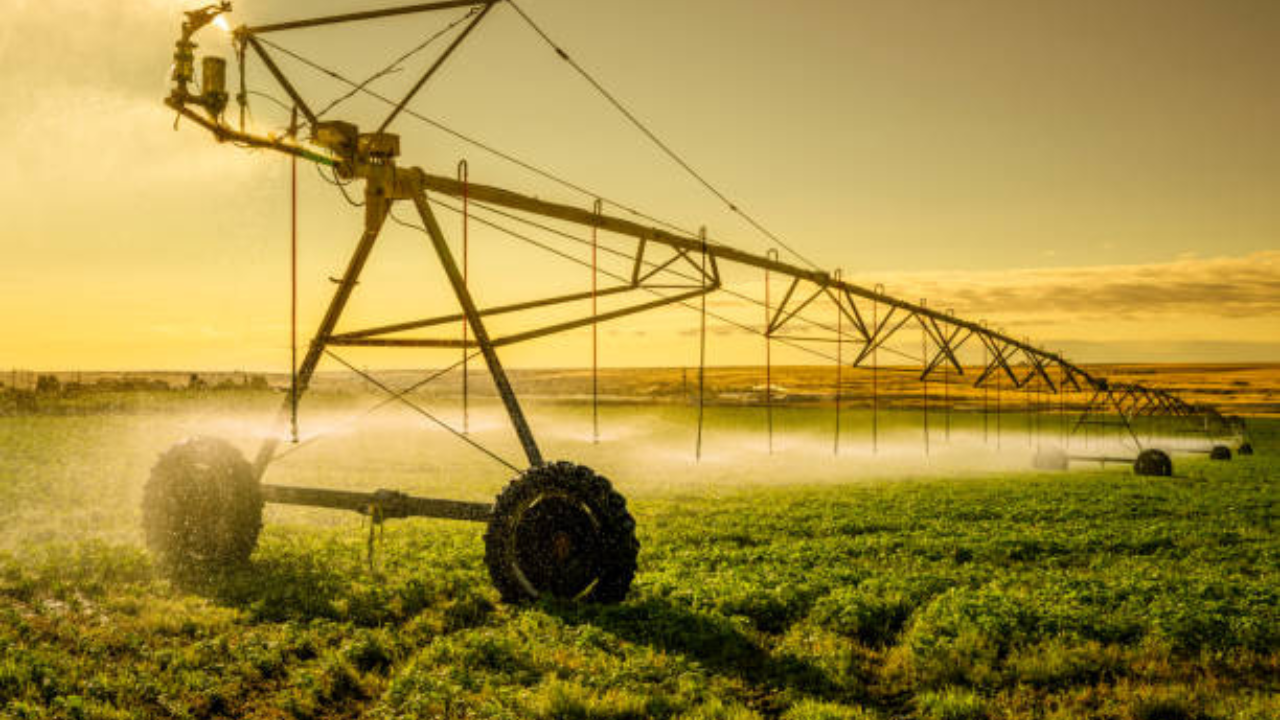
point(873, 317)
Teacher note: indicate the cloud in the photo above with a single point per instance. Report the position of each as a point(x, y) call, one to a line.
point(1186, 309)
point(1210, 351)
point(1239, 287)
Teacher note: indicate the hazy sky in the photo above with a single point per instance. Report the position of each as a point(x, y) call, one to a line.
point(1103, 176)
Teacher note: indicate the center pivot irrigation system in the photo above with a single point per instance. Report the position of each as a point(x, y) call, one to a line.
point(559, 528)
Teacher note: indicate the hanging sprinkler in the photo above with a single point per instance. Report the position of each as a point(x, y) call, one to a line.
point(213, 70)
point(558, 529)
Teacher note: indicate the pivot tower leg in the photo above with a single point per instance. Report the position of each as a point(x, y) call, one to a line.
point(375, 214)
point(481, 334)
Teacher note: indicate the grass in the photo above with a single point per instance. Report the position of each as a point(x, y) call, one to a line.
point(769, 587)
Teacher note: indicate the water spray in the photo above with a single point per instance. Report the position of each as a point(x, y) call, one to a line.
point(559, 528)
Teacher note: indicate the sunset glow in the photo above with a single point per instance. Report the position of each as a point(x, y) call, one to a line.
point(1076, 173)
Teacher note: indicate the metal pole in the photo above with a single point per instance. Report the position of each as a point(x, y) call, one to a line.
point(999, 382)
point(242, 98)
point(875, 371)
point(986, 396)
point(1028, 404)
point(434, 67)
point(924, 363)
point(839, 361)
point(768, 353)
point(1039, 406)
point(293, 295)
point(478, 329)
point(366, 15)
point(1086, 419)
point(702, 344)
point(595, 336)
point(376, 208)
point(946, 392)
point(463, 177)
point(298, 102)
point(523, 203)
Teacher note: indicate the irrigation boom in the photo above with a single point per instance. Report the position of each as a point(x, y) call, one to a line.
point(560, 528)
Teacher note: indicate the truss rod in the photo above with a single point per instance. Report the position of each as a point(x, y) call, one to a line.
point(496, 152)
point(399, 397)
point(638, 261)
point(602, 317)
point(366, 15)
point(486, 312)
point(516, 201)
point(222, 134)
point(298, 102)
point(434, 67)
point(379, 405)
point(647, 288)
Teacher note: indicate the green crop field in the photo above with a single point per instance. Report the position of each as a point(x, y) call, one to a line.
point(795, 585)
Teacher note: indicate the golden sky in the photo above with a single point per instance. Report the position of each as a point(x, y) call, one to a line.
point(1101, 176)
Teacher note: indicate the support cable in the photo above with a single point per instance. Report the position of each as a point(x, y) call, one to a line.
point(379, 405)
point(570, 258)
point(526, 239)
point(466, 262)
point(772, 254)
point(506, 156)
point(1062, 404)
point(702, 343)
point(999, 383)
point(423, 412)
point(272, 98)
point(656, 141)
point(619, 254)
point(595, 330)
point(490, 149)
point(875, 373)
point(342, 186)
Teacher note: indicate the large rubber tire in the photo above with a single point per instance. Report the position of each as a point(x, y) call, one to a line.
point(1051, 459)
point(1245, 449)
point(202, 507)
point(1153, 463)
point(561, 530)
point(1220, 452)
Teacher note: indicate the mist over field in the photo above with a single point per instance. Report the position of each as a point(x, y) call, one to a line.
point(645, 451)
point(352, 438)
point(800, 584)
point(913, 454)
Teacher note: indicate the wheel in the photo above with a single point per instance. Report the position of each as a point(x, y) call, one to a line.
point(561, 530)
point(1244, 449)
point(1220, 452)
point(202, 508)
point(1153, 463)
point(1050, 458)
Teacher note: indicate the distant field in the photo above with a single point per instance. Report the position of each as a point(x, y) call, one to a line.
point(795, 585)
point(1235, 389)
